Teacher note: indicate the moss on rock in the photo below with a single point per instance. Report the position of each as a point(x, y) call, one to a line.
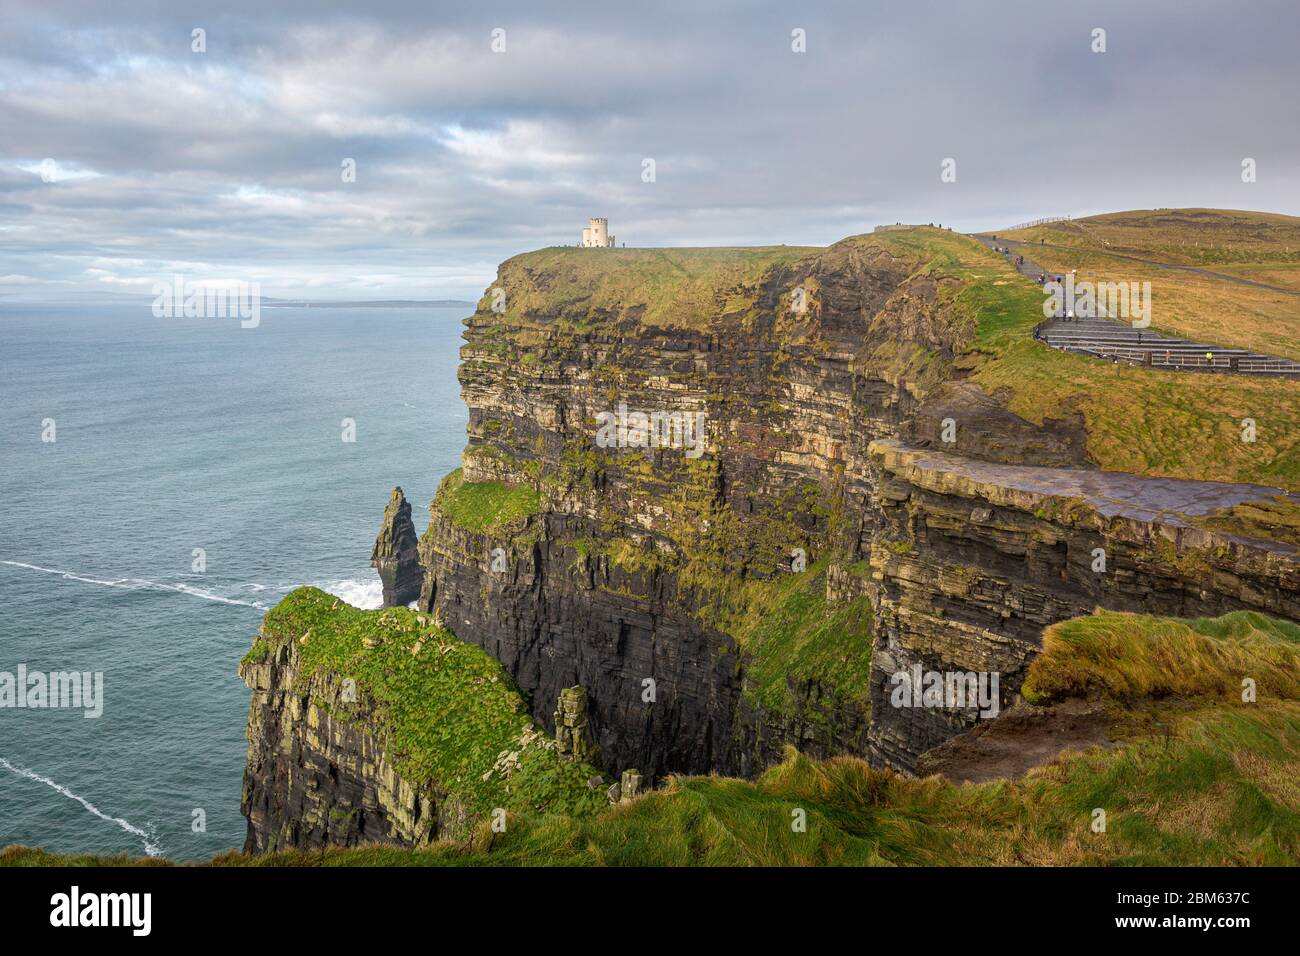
point(451, 716)
point(484, 505)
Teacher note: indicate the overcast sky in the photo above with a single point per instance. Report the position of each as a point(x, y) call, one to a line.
point(125, 156)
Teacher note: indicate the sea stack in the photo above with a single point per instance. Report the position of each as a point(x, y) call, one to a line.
point(396, 555)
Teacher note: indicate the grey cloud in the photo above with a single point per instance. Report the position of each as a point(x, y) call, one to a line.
point(229, 161)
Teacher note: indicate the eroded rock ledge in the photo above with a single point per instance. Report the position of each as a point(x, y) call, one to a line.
point(315, 780)
point(973, 560)
point(381, 727)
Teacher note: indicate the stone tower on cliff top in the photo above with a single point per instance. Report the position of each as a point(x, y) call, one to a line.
point(596, 235)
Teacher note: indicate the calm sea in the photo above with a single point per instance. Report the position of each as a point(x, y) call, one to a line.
point(172, 435)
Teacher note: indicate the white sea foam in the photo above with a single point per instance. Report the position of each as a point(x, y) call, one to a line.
point(140, 584)
point(209, 596)
point(119, 583)
point(146, 836)
point(366, 595)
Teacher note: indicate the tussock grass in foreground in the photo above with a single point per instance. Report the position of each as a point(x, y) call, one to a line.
point(1131, 656)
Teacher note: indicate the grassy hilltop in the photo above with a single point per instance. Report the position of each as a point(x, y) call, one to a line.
point(1259, 247)
point(1147, 422)
point(1223, 240)
point(1153, 423)
point(663, 288)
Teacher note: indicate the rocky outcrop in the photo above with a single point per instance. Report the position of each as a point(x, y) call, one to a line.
point(971, 561)
point(381, 727)
point(572, 729)
point(396, 555)
point(314, 778)
point(628, 786)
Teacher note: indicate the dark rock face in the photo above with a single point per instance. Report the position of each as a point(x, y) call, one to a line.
point(313, 780)
point(396, 555)
point(984, 429)
point(793, 409)
point(555, 619)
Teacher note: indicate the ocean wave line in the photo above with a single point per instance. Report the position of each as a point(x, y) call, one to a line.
point(141, 584)
point(363, 594)
point(150, 848)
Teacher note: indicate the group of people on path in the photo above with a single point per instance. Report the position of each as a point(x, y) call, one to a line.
point(1019, 260)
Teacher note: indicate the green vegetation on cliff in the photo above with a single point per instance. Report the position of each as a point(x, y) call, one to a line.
point(451, 715)
point(484, 505)
point(734, 569)
point(667, 288)
point(792, 636)
point(1199, 777)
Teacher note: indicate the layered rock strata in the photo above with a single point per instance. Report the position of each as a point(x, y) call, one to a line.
point(850, 508)
point(972, 560)
point(313, 779)
point(396, 554)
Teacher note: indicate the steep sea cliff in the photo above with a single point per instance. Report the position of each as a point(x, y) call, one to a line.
point(856, 505)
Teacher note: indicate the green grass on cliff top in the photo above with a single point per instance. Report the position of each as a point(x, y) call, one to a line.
point(1200, 778)
point(668, 288)
point(484, 505)
point(448, 709)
